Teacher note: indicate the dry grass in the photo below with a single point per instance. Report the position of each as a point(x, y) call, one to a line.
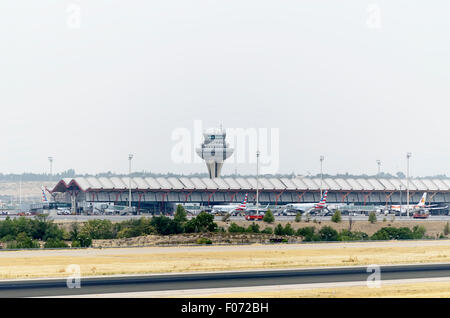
point(412, 290)
point(22, 264)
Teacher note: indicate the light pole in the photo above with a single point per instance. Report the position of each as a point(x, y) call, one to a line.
point(257, 181)
point(379, 166)
point(130, 156)
point(50, 159)
point(408, 155)
point(321, 174)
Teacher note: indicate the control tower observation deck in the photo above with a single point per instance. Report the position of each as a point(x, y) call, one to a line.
point(214, 150)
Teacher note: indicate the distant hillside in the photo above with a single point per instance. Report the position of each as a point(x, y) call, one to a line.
point(44, 177)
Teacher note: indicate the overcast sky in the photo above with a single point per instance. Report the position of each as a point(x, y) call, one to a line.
point(355, 81)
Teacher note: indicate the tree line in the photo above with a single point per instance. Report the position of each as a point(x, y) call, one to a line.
point(24, 232)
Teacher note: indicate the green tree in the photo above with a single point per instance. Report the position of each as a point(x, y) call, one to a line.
point(392, 233)
point(336, 218)
point(268, 217)
point(267, 230)
point(84, 240)
point(279, 230)
point(166, 226)
point(99, 229)
point(372, 217)
point(55, 243)
point(74, 231)
point(298, 217)
point(327, 233)
point(180, 215)
point(234, 228)
point(346, 235)
point(306, 232)
point(134, 227)
point(253, 228)
point(75, 244)
point(203, 222)
point(419, 232)
point(288, 230)
point(23, 241)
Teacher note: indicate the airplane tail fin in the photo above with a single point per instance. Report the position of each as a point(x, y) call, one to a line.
point(44, 196)
point(423, 199)
point(322, 201)
point(243, 205)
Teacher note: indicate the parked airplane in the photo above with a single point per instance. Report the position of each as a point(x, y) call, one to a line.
point(230, 208)
point(308, 207)
point(421, 206)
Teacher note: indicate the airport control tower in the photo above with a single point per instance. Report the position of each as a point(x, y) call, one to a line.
point(214, 150)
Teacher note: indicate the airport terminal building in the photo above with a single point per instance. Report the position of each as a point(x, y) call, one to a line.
point(159, 194)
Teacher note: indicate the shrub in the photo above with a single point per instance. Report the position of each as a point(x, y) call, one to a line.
point(23, 241)
point(204, 240)
point(166, 226)
point(402, 233)
point(337, 217)
point(43, 229)
point(74, 231)
point(203, 222)
point(253, 228)
point(126, 232)
point(84, 240)
point(75, 244)
point(98, 229)
point(234, 228)
point(419, 232)
point(8, 238)
point(279, 230)
point(308, 233)
point(55, 243)
point(372, 217)
point(298, 217)
point(346, 235)
point(327, 233)
point(267, 230)
point(134, 228)
point(268, 217)
point(288, 230)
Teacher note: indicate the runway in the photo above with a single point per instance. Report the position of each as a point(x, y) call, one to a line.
point(214, 280)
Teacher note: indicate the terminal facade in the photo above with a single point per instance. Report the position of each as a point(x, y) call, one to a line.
point(160, 194)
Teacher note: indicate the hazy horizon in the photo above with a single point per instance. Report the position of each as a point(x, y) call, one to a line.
point(356, 82)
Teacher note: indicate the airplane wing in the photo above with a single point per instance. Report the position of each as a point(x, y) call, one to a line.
point(437, 208)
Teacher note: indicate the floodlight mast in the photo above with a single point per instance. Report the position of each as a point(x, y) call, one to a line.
point(408, 156)
point(130, 156)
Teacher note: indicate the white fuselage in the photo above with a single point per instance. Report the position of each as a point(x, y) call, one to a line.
point(300, 206)
point(225, 208)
